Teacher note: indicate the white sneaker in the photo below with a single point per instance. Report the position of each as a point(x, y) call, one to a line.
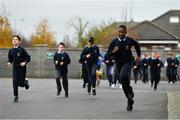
point(120, 86)
point(113, 86)
point(171, 83)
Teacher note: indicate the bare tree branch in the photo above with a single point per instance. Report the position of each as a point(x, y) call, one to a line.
point(79, 26)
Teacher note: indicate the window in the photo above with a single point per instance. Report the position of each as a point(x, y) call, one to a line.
point(174, 19)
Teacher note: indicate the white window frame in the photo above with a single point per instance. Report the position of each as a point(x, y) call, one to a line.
point(174, 19)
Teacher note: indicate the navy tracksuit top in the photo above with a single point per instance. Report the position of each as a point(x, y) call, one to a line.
point(94, 51)
point(62, 57)
point(17, 56)
point(124, 53)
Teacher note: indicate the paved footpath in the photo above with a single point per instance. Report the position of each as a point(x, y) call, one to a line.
point(41, 102)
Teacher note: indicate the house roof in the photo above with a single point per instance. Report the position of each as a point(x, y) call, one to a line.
point(129, 24)
point(171, 12)
point(166, 22)
point(147, 30)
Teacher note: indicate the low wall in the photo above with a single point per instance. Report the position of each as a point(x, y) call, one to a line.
point(41, 65)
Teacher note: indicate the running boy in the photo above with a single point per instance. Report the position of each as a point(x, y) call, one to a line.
point(19, 57)
point(61, 61)
point(91, 55)
point(120, 48)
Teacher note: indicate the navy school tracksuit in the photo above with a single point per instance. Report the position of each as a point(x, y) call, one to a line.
point(17, 56)
point(62, 70)
point(136, 70)
point(116, 75)
point(84, 71)
point(155, 71)
point(171, 70)
point(91, 65)
point(109, 61)
point(123, 60)
point(145, 65)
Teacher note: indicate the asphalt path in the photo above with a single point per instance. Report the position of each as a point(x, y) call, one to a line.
point(41, 102)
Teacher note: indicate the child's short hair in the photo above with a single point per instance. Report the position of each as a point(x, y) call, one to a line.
point(91, 40)
point(122, 26)
point(170, 53)
point(19, 38)
point(61, 43)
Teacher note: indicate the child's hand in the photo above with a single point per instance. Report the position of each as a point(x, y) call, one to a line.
point(8, 64)
point(115, 49)
point(107, 61)
point(100, 58)
point(135, 67)
point(137, 59)
point(23, 64)
point(56, 62)
point(88, 55)
point(61, 63)
point(158, 64)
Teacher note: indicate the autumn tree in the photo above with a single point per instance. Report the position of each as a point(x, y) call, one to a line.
point(103, 33)
point(43, 35)
point(5, 33)
point(79, 25)
point(25, 42)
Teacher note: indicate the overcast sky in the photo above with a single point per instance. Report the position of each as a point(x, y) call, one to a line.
point(24, 15)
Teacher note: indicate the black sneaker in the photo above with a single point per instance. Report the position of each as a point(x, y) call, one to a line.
point(89, 90)
point(66, 94)
point(58, 93)
point(26, 84)
point(94, 91)
point(16, 99)
point(84, 85)
point(130, 105)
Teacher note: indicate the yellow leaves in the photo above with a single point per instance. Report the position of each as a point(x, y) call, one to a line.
point(103, 34)
point(5, 33)
point(43, 35)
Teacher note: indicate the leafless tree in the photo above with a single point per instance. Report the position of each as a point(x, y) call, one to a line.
point(79, 25)
point(67, 41)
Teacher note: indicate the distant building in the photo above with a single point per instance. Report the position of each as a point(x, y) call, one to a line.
point(163, 31)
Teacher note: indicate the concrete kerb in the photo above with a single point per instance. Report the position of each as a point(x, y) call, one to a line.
point(173, 105)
